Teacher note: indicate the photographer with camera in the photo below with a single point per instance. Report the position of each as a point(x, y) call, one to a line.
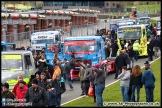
point(36, 95)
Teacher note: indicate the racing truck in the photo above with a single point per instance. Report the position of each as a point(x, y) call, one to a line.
point(85, 48)
point(39, 39)
point(14, 63)
point(133, 33)
point(7, 46)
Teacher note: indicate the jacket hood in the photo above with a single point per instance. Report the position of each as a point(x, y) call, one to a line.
point(147, 72)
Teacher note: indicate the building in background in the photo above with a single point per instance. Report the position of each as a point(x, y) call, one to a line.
point(102, 6)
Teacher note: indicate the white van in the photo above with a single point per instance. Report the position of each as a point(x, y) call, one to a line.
point(39, 39)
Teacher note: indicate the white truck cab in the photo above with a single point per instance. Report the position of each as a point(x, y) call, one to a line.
point(39, 39)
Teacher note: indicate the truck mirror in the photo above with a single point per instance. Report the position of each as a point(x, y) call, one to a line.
point(30, 40)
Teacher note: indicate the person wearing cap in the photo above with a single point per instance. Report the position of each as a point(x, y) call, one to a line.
point(36, 95)
point(148, 80)
point(21, 90)
point(6, 93)
point(19, 78)
point(99, 84)
point(43, 81)
point(59, 85)
point(136, 48)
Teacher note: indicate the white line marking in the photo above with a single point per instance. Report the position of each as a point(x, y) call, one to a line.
point(105, 86)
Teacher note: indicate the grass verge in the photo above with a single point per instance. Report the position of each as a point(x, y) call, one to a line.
point(112, 93)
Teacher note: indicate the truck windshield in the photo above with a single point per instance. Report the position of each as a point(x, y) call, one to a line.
point(41, 41)
point(9, 62)
point(80, 46)
point(143, 21)
point(53, 48)
point(129, 33)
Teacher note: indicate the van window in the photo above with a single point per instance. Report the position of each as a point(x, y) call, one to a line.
point(27, 61)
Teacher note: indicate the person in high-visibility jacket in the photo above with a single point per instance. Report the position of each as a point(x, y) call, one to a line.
point(136, 48)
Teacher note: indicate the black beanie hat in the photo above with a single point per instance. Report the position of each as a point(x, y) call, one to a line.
point(35, 81)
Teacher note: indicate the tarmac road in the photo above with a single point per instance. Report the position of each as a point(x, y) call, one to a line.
point(70, 95)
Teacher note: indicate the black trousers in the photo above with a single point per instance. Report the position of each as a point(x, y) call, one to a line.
point(118, 71)
point(87, 84)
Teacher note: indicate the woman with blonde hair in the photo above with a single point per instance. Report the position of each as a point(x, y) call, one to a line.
point(136, 81)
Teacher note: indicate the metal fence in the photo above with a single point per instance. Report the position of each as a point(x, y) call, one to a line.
point(80, 30)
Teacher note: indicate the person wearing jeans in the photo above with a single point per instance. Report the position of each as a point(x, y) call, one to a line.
point(136, 81)
point(69, 82)
point(99, 84)
point(98, 92)
point(148, 80)
point(124, 83)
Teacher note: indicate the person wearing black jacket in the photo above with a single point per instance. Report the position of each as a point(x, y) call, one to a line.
point(136, 82)
point(41, 63)
point(115, 48)
point(59, 85)
point(72, 62)
point(131, 56)
point(66, 73)
point(120, 61)
point(99, 84)
point(43, 81)
point(150, 49)
point(36, 95)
